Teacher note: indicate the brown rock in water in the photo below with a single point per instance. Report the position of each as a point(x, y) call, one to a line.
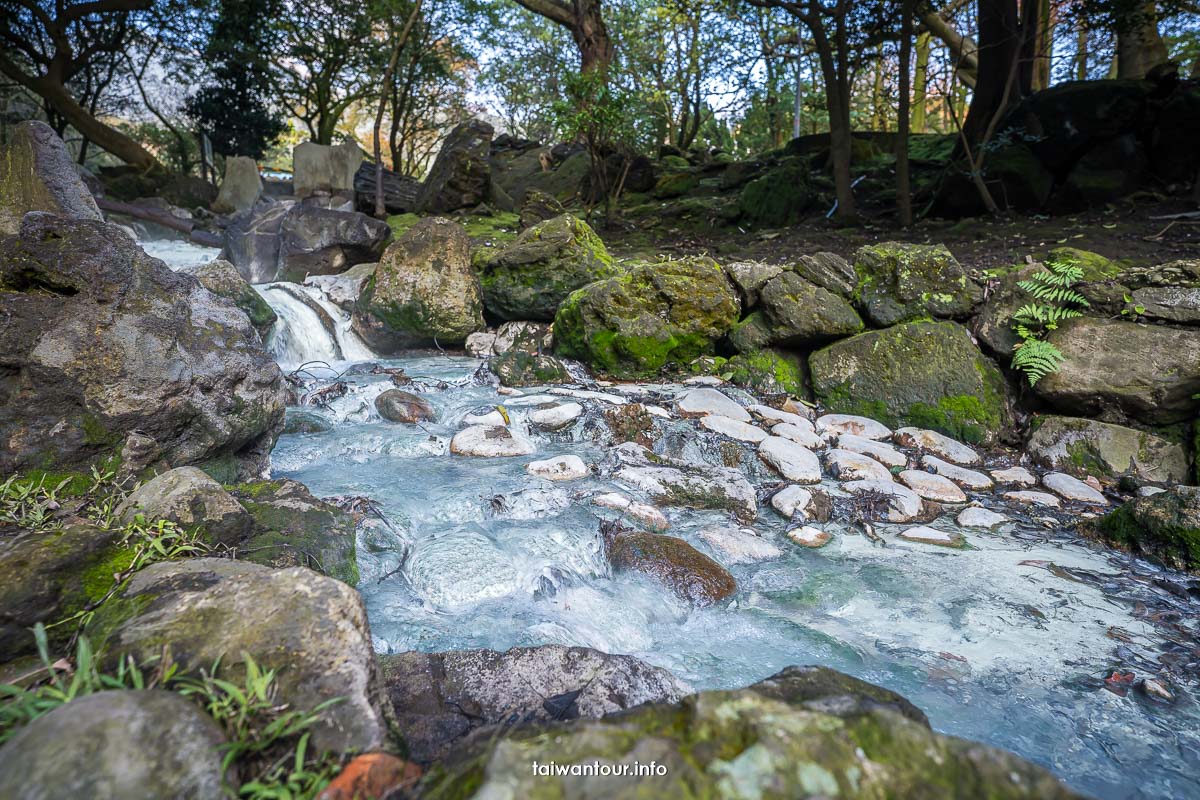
point(395, 405)
point(680, 567)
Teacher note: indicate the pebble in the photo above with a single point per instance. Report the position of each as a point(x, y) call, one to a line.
point(883, 453)
point(705, 380)
point(933, 487)
point(742, 431)
point(799, 435)
point(905, 504)
point(1033, 498)
point(796, 502)
point(937, 443)
point(1072, 489)
point(739, 545)
point(490, 441)
point(980, 517)
point(560, 468)
point(808, 536)
point(699, 402)
point(775, 415)
point(649, 516)
point(556, 418)
point(927, 535)
point(490, 418)
point(508, 391)
point(857, 426)
point(1014, 476)
point(847, 466)
point(658, 411)
point(967, 478)
point(792, 461)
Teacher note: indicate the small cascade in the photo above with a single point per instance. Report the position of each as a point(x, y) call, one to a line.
point(310, 327)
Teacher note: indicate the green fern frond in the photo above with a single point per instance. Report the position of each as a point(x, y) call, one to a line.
point(1036, 358)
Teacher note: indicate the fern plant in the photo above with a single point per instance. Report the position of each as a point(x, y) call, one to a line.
point(1054, 288)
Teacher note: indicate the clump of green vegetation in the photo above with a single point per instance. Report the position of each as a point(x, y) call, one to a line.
point(1059, 301)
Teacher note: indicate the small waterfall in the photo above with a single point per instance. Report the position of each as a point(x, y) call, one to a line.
point(310, 327)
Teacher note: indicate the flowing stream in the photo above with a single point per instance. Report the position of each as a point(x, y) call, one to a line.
point(1006, 641)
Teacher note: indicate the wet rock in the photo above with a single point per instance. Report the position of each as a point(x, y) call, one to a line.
point(324, 241)
point(38, 174)
point(801, 436)
point(560, 468)
point(739, 545)
point(633, 422)
point(847, 466)
point(556, 417)
point(1086, 446)
point(241, 186)
point(324, 168)
point(750, 334)
point(461, 173)
point(979, 517)
point(1014, 476)
point(656, 314)
point(490, 441)
point(801, 314)
point(926, 535)
point(481, 344)
point(395, 405)
point(932, 487)
point(865, 427)
point(883, 453)
point(487, 415)
point(1164, 526)
point(441, 698)
point(742, 431)
point(647, 516)
point(1033, 498)
point(938, 444)
point(223, 279)
point(701, 402)
point(133, 745)
point(712, 488)
point(673, 562)
point(423, 290)
point(344, 288)
point(534, 338)
point(900, 504)
point(928, 374)
point(310, 628)
point(967, 478)
point(797, 502)
point(1072, 489)
point(790, 460)
point(530, 278)
point(808, 536)
point(769, 371)
point(102, 340)
point(898, 282)
point(775, 415)
point(189, 497)
point(516, 368)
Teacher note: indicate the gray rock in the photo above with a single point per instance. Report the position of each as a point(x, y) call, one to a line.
point(734, 545)
point(1072, 489)
point(749, 277)
point(979, 517)
point(222, 278)
point(696, 487)
point(792, 461)
point(846, 465)
point(532, 338)
point(241, 186)
point(937, 443)
point(189, 497)
point(898, 282)
point(38, 174)
point(705, 401)
point(252, 240)
point(902, 503)
point(344, 288)
point(104, 340)
point(324, 168)
point(310, 628)
point(490, 441)
point(1179, 304)
point(932, 487)
point(967, 478)
point(440, 698)
point(1087, 446)
point(116, 745)
point(801, 314)
point(827, 270)
point(461, 173)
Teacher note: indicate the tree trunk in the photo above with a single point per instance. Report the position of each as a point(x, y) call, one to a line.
point(878, 110)
point(384, 95)
point(903, 183)
point(1081, 53)
point(1043, 45)
point(920, 84)
point(1140, 48)
point(837, 103)
point(591, 37)
point(999, 47)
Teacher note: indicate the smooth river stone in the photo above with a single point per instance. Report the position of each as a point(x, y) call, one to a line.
point(490, 441)
point(1014, 476)
point(739, 545)
point(647, 515)
point(847, 466)
point(967, 478)
point(905, 505)
point(927, 535)
point(883, 453)
point(716, 488)
point(800, 435)
point(774, 415)
point(979, 517)
point(933, 487)
point(556, 417)
point(1071, 488)
point(792, 461)
point(808, 536)
point(560, 468)
point(1033, 498)
point(854, 425)
point(699, 402)
point(742, 431)
point(489, 417)
point(937, 443)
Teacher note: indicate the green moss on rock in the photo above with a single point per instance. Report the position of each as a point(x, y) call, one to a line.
point(780, 197)
point(1164, 526)
point(769, 372)
point(898, 282)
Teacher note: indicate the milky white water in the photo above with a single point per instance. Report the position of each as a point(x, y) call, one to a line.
point(991, 648)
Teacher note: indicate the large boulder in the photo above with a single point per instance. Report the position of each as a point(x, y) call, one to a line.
point(101, 341)
point(440, 698)
point(191, 499)
point(1090, 447)
point(779, 197)
point(530, 278)
point(657, 314)
point(422, 291)
point(801, 733)
point(461, 174)
point(1165, 526)
point(132, 745)
point(38, 174)
point(252, 241)
point(324, 168)
point(671, 561)
point(311, 629)
point(801, 314)
point(922, 374)
point(898, 282)
point(223, 279)
point(241, 186)
point(1150, 373)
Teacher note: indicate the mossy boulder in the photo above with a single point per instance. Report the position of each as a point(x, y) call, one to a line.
point(222, 278)
point(898, 282)
point(675, 184)
point(634, 325)
point(750, 334)
point(770, 371)
point(518, 368)
point(191, 499)
point(1090, 447)
point(529, 279)
point(1164, 526)
point(774, 739)
point(921, 374)
point(779, 197)
point(801, 314)
point(38, 174)
point(423, 290)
